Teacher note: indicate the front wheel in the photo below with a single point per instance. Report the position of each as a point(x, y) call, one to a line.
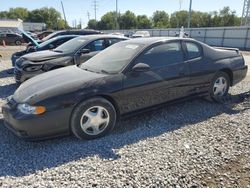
point(93, 118)
point(219, 86)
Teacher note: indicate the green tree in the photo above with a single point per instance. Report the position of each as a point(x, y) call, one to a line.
point(128, 20)
point(4, 14)
point(226, 17)
point(143, 22)
point(179, 19)
point(108, 21)
point(92, 24)
point(160, 19)
point(50, 16)
point(18, 13)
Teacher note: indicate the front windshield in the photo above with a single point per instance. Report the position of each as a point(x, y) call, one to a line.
point(113, 59)
point(71, 46)
point(43, 44)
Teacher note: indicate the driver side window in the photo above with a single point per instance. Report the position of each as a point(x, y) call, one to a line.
point(162, 55)
point(96, 45)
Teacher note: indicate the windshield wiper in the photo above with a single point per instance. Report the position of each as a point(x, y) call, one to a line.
point(59, 51)
point(105, 72)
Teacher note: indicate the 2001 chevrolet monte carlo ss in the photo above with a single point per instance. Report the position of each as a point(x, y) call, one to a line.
point(126, 77)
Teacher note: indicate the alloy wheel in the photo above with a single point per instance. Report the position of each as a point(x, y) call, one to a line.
point(95, 120)
point(220, 87)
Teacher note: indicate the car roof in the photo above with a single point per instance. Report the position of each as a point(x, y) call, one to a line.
point(100, 36)
point(152, 40)
point(64, 36)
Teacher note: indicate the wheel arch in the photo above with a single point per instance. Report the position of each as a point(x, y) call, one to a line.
point(104, 96)
point(229, 72)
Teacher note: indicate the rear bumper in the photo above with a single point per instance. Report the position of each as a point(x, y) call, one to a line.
point(37, 127)
point(239, 74)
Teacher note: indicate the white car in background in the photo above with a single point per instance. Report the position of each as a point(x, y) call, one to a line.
point(141, 34)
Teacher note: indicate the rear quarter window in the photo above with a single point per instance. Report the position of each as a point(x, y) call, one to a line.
point(193, 50)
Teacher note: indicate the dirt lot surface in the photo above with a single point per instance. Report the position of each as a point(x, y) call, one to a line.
point(193, 144)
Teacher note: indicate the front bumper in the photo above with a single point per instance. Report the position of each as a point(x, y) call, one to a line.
point(239, 74)
point(36, 127)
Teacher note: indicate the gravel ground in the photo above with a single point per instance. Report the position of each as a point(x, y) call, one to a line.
point(192, 144)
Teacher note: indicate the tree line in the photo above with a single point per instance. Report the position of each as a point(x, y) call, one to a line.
point(50, 16)
point(161, 20)
point(128, 20)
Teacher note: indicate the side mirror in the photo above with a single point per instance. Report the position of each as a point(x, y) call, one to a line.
point(141, 67)
point(84, 51)
point(51, 46)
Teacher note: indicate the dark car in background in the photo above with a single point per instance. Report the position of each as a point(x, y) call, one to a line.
point(43, 34)
point(47, 45)
point(127, 77)
point(11, 38)
point(72, 32)
point(75, 51)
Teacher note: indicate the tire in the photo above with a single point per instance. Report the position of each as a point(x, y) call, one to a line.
point(219, 87)
point(18, 42)
point(93, 118)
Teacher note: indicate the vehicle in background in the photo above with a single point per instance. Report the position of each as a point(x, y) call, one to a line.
point(33, 35)
point(119, 34)
point(11, 38)
point(127, 77)
point(47, 45)
point(43, 34)
point(141, 34)
point(72, 32)
point(75, 51)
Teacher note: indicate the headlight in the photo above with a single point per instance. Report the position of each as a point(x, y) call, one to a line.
point(33, 68)
point(27, 109)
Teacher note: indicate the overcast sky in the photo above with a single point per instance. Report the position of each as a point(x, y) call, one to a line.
point(77, 9)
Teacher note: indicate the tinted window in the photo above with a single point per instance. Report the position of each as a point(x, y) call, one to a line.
point(96, 45)
point(71, 46)
point(193, 50)
point(162, 55)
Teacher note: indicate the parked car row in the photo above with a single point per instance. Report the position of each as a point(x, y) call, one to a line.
point(105, 77)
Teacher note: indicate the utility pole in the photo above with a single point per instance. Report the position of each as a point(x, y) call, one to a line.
point(64, 14)
point(88, 14)
point(117, 24)
point(190, 14)
point(95, 7)
point(245, 19)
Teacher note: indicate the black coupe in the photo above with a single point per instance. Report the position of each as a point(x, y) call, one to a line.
point(127, 77)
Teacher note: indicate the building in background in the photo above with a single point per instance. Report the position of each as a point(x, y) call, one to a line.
point(31, 26)
point(10, 25)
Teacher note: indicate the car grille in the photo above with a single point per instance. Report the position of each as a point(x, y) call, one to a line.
point(18, 74)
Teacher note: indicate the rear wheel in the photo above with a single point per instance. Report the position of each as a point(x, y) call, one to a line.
point(219, 87)
point(93, 118)
point(18, 42)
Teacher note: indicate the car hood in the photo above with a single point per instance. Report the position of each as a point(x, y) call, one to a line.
point(29, 39)
point(57, 82)
point(43, 55)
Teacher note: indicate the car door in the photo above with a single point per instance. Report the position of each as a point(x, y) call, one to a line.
point(200, 73)
point(165, 81)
